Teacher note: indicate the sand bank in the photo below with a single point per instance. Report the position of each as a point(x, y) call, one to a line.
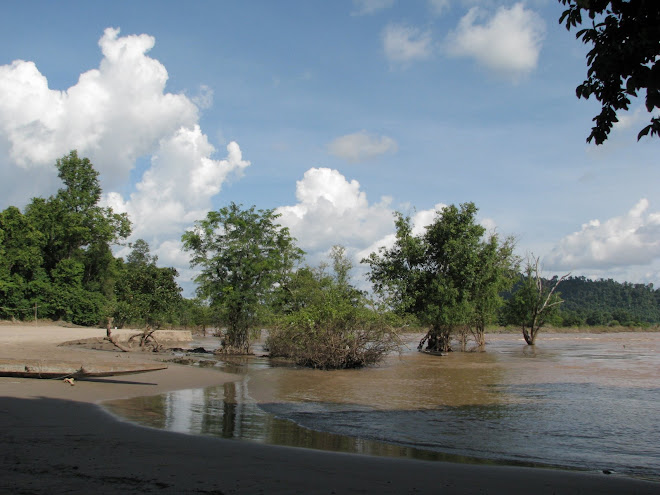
point(55, 439)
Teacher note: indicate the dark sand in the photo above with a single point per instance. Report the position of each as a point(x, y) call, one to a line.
point(55, 439)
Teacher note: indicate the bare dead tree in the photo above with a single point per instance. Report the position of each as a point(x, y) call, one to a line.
point(534, 302)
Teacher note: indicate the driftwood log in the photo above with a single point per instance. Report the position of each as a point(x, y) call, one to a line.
point(113, 340)
point(147, 341)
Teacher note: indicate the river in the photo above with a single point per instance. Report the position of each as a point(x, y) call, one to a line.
point(574, 401)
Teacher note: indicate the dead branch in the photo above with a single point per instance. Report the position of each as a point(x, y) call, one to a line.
point(147, 339)
point(113, 340)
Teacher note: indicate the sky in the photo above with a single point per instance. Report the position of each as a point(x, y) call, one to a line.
point(334, 113)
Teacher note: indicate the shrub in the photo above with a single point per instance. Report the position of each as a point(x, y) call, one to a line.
point(333, 339)
point(324, 322)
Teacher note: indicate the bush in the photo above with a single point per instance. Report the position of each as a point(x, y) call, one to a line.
point(324, 322)
point(331, 340)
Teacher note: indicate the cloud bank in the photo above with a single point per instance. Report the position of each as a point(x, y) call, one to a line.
point(629, 239)
point(114, 114)
point(333, 210)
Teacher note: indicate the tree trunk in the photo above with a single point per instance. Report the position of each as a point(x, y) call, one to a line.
point(437, 340)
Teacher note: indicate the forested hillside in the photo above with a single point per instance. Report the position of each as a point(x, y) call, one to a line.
point(607, 302)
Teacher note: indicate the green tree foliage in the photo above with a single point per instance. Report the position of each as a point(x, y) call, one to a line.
point(449, 277)
point(535, 302)
point(603, 302)
point(195, 313)
point(243, 254)
point(57, 253)
point(324, 322)
point(625, 39)
point(496, 272)
point(144, 292)
point(22, 276)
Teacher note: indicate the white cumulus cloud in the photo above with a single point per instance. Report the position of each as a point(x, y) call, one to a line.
point(419, 221)
point(404, 44)
point(178, 187)
point(508, 43)
point(629, 239)
point(115, 115)
point(361, 146)
point(333, 210)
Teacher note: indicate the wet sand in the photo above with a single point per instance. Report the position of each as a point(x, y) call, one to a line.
point(55, 439)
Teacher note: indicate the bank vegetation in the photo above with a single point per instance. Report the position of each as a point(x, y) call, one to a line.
point(452, 279)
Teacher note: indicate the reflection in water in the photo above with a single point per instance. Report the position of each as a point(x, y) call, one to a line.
point(223, 412)
point(584, 402)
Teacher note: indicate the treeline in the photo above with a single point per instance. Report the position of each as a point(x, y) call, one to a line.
point(608, 303)
point(56, 261)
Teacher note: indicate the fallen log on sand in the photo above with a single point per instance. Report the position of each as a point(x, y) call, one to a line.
point(74, 369)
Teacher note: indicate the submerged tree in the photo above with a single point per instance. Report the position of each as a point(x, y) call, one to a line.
point(448, 277)
point(243, 255)
point(326, 323)
point(496, 270)
point(534, 303)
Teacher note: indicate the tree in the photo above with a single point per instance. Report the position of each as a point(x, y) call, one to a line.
point(77, 234)
point(145, 292)
point(324, 322)
point(72, 221)
point(534, 303)
point(497, 266)
point(447, 277)
point(21, 273)
point(243, 254)
point(625, 38)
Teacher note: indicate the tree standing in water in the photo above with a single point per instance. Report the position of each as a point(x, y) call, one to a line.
point(449, 277)
point(534, 303)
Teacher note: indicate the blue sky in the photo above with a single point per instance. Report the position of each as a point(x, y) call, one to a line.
point(336, 114)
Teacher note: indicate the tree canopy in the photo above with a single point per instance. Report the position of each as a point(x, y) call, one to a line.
point(625, 40)
point(448, 277)
point(58, 257)
point(243, 254)
point(144, 292)
point(324, 322)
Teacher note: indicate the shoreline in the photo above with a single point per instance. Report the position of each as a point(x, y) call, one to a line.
point(56, 438)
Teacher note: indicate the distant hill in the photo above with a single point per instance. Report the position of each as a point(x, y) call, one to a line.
point(607, 302)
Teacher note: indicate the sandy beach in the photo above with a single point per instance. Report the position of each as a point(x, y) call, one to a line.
point(56, 439)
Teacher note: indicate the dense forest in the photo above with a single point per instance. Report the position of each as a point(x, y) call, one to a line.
point(57, 262)
point(607, 302)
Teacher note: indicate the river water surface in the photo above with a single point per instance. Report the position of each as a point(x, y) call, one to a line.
point(576, 401)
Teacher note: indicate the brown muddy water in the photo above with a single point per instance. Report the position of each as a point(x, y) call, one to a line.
point(574, 401)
